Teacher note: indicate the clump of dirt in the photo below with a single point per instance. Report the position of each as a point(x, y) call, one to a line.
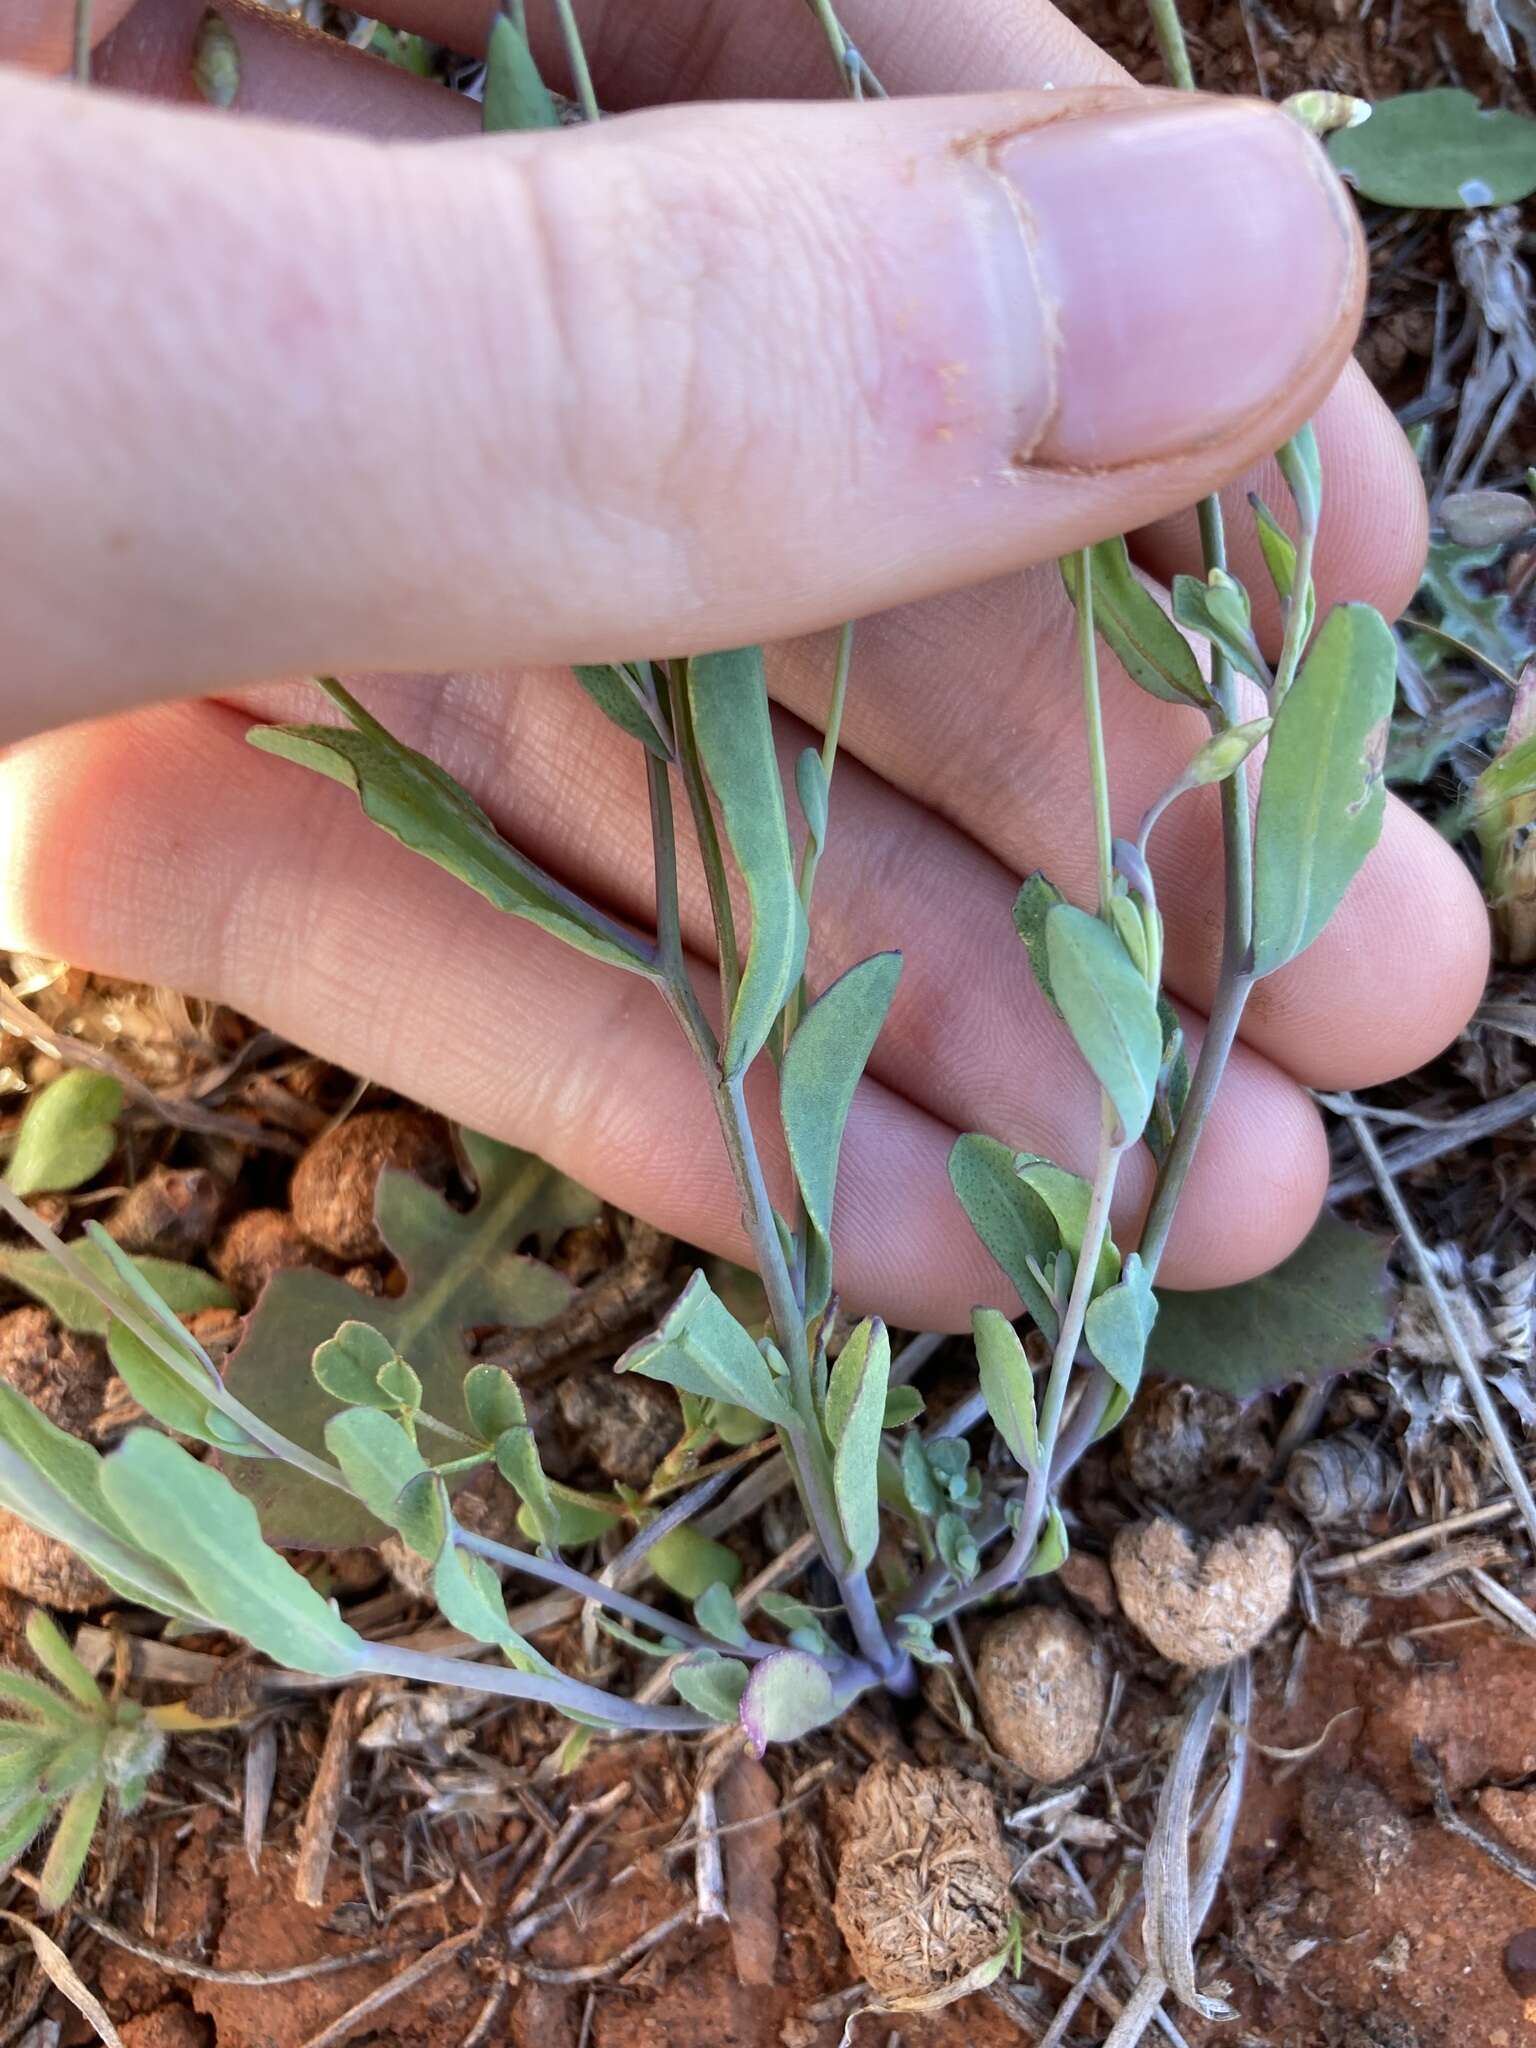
point(335, 1182)
point(1352, 1824)
point(257, 1245)
point(1042, 1687)
point(923, 1892)
point(171, 1213)
point(1194, 1451)
point(67, 1377)
point(1201, 1609)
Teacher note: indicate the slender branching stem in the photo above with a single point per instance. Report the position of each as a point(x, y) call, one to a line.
point(554, 1571)
point(576, 57)
point(857, 76)
point(566, 1695)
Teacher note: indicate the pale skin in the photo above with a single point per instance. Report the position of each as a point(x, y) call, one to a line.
point(311, 386)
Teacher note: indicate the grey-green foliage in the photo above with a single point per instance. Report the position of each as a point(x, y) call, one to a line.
point(516, 97)
point(65, 1749)
point(1439, 149)
point(1323, 793)
point(700, 1348)
point(67, 1135)
point(411, 799)
point(1146, 642)
point(855, 1417)
point(728, 699)
point(1110, 1010)
point(1007, 1384)
point(822, 1064)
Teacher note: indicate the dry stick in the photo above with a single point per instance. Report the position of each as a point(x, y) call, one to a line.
point(592, 1973)
point(1456, 1343)
point(1428, 1768)
point(1420, 1147)
point(1503, 1601)
point(252, 1980)
point(425, 1966)
point(1410, 1539)
point(326, 1794)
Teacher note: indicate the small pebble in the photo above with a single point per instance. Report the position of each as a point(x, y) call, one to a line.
point(1041, 1684)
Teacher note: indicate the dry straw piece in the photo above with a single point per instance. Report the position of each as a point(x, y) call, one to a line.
point(922, 1893)
point(1202, 1609)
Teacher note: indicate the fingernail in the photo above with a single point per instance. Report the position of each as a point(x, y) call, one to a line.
point(1193, 259)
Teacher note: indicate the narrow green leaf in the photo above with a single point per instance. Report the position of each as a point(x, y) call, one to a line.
point(1323, 794)
point(713, 1684)
point(1140, 634)
point(54, 1481)
point(728, 696)
point(787, 1695)
point(170, 1399)
point(348, 1365)
point(386, 1471)
point(716, 1613)
point(1222, 616)
point(1279, 552)
point(855, 1417)
point(813, 794)
point(19, 1829)
point(412, 800)
point(1110, 1011)
point(469, 1598)
point(71, 1845)
point(1438, 148)
point(51, 1648)
point(1007, 1384)
point(68, 1133)
point(28, 1696)
point(688, 1563)
point(1172, 1083)
point(516, 98)
point(1010, 1219)
point(1324, 1311)
point(1031, 906)
point(701, 1348)
point(1300, 462)
point(209, 1535)
point(1119, 1323)
point(616, 693)
point(184, 1289)
point(820, 1072)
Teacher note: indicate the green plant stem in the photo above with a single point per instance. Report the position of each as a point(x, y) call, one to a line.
point(566, 1695)
point(576, 56)
point(711, 854)
point(84, 9)
point(803, 1448)
point(856, 74)
point(1169, 31)
point(1093, 718)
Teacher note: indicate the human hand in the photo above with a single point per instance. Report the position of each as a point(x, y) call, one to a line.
point(281, 400)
